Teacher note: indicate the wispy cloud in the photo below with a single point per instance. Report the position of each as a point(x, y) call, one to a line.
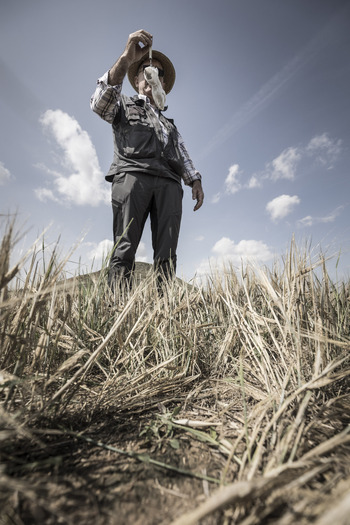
point(45, 194)
point(5, 174)
point(78, 179)
point(270, 90)
point(311, 221)
point(254, 182)
point(282, 206)
point(216, 198)
point(324, 149)
point(260, 100)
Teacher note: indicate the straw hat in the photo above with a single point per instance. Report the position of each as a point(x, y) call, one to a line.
point(169, 70)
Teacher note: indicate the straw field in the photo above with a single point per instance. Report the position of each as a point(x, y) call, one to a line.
point(225, 404)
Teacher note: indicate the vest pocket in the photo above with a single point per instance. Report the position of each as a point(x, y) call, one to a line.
point(138, 139)
point(140, 142)
point(119, 178)
point(135, 114)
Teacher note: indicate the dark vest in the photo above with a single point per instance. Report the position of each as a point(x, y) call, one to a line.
point(139, 145)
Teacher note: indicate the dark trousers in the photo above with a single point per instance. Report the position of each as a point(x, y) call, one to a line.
point(134, 197)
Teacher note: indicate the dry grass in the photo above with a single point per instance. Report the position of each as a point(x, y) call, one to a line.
point(251, 368)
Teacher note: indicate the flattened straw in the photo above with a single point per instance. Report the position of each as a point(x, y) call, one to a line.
point(313, 383)
point(326, 446)
point(284, 477)
point(338, 514)
point(234, 493)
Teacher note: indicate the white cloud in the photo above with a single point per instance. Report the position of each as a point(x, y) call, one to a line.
point(100, 251)
point(224, 247)
point(84, 184)
point(141, 254)
point(245, 249)
point(232, 184)
point(226, 251)
point(322, 148)
point(282, 206)
point(5, 174)
point(284, 166)
point(311, 221)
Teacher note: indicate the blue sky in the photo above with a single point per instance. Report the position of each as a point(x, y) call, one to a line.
point(262, 99)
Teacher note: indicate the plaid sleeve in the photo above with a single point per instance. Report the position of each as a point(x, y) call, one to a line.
point(190, 173)
point(106, 99)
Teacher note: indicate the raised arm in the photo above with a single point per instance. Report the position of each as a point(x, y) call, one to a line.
point(132, 53)
point(106, 98)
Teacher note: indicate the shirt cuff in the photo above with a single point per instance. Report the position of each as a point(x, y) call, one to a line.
point(104, 80)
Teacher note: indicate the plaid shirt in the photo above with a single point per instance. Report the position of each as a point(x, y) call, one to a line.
point(106, 102)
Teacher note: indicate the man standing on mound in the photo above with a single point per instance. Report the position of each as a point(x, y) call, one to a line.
point(150, 158)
